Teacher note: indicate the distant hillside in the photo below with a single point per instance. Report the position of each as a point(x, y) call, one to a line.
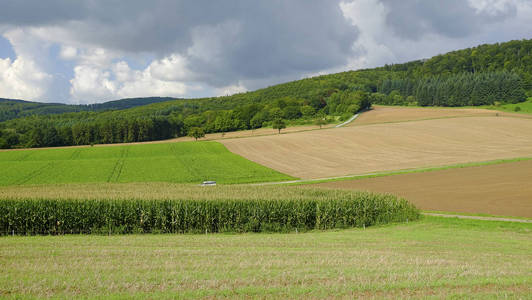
point(483, 75)
point(13, 108)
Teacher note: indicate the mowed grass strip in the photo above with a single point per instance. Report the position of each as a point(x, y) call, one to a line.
point(433, 258)
point(184, 162)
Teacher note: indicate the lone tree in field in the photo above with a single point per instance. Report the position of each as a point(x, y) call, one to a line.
point(196, 132)
point(320, 122)
point(279, 124)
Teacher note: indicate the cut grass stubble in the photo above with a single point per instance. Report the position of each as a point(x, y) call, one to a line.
point(435, 257)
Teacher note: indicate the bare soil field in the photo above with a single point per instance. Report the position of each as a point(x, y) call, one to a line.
point(502, 189)
point(390, 146)
point(390, 114)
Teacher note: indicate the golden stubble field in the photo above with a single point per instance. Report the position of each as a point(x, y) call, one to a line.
point(389, 146)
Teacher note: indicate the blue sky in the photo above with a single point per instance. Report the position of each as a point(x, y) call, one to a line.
point(90, 51)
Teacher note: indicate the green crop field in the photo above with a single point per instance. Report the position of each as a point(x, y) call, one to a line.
point(432, 258)
point(184, 162)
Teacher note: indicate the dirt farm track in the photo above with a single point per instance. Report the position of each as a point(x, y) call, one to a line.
point(389, 146)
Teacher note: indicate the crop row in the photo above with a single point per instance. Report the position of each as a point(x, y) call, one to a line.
point(119, 216)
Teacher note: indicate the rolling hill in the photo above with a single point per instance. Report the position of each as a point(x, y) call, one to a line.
point(483, 75)
point(14, 108)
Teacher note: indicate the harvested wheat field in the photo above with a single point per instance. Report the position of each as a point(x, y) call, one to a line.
point(391, 146)
point(502, 189)
point(390, 114)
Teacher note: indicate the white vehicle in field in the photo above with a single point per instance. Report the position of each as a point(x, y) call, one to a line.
point(208, 183)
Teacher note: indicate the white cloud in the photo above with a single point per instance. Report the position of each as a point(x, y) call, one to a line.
point(171, 68)
point(369, 16)
point(22, 79)
point(94, 83)
point(91, 83)
point(231, 90)
point(68, 52)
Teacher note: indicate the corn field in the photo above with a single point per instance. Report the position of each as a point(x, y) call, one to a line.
point(300, 210)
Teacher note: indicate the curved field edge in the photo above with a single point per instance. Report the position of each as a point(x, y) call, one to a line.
point(219, 209)
point(403, 171)
point(433, 257)
point(184, 162)
point(387, 147)
point(495, 189)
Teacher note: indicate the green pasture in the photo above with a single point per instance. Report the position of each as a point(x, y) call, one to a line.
point(433, 258)
point(184, 162)
point(524, 107)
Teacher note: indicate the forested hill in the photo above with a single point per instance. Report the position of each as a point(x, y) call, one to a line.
point(486, 74)
point(13, 108)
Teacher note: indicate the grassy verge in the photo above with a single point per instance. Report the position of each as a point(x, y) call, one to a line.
point(523, 107)
point(407, 171)
point(433, 258)
point(184, 162)
point(474, 214)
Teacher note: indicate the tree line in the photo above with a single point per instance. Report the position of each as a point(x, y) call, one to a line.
point(147, 123)
point(463, 89)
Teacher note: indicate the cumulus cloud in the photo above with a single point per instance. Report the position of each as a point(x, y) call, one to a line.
point(91, 83)
point(21, 79)
point(236, 45)
point(68, 52)
point(231, 90)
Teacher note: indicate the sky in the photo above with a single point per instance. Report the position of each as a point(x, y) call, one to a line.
point(89, 51)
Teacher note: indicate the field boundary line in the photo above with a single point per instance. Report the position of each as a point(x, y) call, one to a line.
point(476, 217)
point(397, 172)
point(348, 121)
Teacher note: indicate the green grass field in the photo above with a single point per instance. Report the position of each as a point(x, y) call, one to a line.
point(431, 258)
point(524, 107)
point(184, 162)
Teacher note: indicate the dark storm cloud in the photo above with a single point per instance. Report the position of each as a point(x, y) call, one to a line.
point(452, 18)
point(31, 12)
point(273, 37)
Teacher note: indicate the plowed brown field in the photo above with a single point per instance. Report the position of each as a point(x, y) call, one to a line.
point(502, 189)
point(389, 146)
